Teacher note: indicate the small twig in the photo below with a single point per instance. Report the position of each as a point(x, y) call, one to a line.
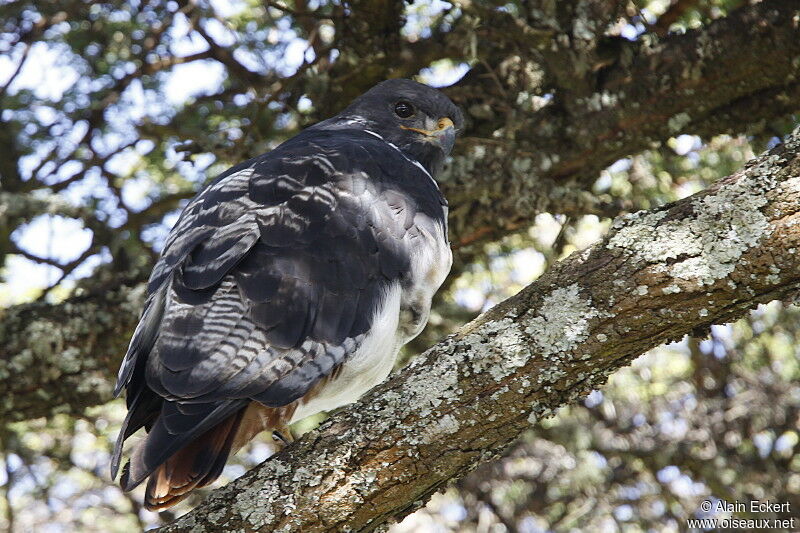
point(558, 243)
point(68, 268)
point(16, 72)
point(671, 15)
point(292, 12)
point(496, 80)
point(15, 249)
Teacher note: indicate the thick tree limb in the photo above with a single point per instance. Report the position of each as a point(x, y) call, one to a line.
point(722, 78)
point(524, 154)
point(657, 276)
point(61, 358)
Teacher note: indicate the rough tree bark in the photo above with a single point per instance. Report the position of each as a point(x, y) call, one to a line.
point(62, 358)
point(657, 276)
point(522, 155)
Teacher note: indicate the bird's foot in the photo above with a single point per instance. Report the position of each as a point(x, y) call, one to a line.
point(282, 436)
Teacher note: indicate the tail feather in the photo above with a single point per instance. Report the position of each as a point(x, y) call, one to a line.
point(176, 427)
point(187, 445)
point(195, 465)
point(142, 411)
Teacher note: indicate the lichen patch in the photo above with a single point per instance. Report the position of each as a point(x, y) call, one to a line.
point(561, 323)
point(707, 244)
point(446, 425)
point(509, 349)
point(425, 391)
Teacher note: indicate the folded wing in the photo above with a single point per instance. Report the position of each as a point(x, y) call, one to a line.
point(269, 280)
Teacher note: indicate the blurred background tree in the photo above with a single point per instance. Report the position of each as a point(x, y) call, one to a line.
point(115, 113)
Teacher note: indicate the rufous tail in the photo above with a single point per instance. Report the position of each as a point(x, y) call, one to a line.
point(195, 465)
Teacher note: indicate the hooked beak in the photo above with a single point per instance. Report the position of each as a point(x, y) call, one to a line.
point(444, 134)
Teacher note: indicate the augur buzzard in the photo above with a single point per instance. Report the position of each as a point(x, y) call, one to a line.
point(287, 287)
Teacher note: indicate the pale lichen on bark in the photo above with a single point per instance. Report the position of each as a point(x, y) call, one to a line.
point(60, 358)
point(707, 244)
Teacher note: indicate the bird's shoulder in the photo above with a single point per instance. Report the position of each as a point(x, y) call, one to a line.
point(350, 160)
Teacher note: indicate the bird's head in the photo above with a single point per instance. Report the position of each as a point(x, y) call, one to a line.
point(420, 120)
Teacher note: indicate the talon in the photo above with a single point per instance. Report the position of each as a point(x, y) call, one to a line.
point(283, 436)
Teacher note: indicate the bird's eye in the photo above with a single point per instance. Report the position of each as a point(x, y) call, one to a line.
point(403, 109)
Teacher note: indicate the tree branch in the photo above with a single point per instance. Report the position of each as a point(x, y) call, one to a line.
point(657, 276)
point(60, 358)
point(545, 155)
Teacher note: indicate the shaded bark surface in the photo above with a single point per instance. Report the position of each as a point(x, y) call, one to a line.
point(657, 276)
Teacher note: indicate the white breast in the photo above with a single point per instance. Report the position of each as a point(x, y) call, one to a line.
point(367, 367)
point(373, 361)
point(431, 260)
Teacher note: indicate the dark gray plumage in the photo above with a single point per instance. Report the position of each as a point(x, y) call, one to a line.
point(288, 285)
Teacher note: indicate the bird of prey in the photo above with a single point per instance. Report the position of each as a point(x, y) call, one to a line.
point(288, 286)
